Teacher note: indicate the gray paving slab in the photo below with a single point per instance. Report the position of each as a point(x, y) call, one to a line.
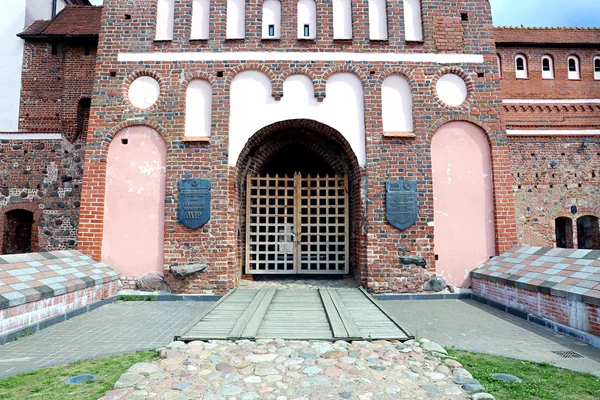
point(115, 328)
point(469, 325)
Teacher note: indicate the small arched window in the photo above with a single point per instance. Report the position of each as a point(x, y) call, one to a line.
point(307, 19)
point(521, 67)
point(165, 12)
point(342, 19)
point(413, 23)
point(378, 29)
point(499, 61)
point(573, 62)
point(547, 67)
point(271, 25)
point(396, 105)
point(198, 109)
point(597, 68)
point(200, 19)
point(236, 19)
point(564, 232)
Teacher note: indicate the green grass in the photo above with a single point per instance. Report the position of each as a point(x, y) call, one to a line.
point(540, 381)
point(127, 297)
point(48, 383)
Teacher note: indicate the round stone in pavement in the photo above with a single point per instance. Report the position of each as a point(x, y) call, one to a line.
point(507, 378)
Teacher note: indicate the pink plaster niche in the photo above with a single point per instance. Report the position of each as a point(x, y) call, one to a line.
point(133, 240)
point(463, 201)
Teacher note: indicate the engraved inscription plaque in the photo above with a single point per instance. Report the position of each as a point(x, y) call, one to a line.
point(401, 207)
point(194, 202)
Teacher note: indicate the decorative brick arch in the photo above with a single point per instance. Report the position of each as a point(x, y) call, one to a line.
point(251, 67)
point(128, 124)
point(32, 207)
point(401, 71)
point(333, 149)
point(317, 83)
point(162, 83)
point(199, 75)
point(466, 105)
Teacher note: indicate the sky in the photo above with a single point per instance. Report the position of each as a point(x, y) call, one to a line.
point(574, 13)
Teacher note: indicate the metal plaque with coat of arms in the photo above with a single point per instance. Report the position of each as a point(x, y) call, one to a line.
point(401, 207)
point(194, 202)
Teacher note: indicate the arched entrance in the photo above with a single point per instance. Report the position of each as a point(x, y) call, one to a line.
point(298, 189)
point(588, 232)
point(18, 226)
point(133, 239)
point(463, 200)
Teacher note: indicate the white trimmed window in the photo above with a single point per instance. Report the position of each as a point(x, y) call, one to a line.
point(413, 24)
point(342, 19)
point(378, 29)
point(165, 13)
point(573, 63)
point(499, 61)
point(597, 68)
point(521, 67)
point(396, 105)
point(307, 19)
point(547, 67)
point(198, 108)
point(271, 24)
point(236, 19)
point(200, 19)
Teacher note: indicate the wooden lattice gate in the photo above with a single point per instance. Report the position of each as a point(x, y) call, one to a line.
point(297, 225)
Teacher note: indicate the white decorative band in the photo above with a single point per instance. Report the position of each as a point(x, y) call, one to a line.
point(30, 136)
point(547, 101)
point(302, 56)
point(551, 132)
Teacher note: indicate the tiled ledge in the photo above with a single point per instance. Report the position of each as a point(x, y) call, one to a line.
point(568, 273)
point(26, 278)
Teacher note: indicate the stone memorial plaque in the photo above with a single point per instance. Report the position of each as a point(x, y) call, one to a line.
point(401, 207)
point(194, 202)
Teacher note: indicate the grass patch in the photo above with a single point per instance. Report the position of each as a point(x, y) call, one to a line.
point(540, 381)
point(49, 383)
point(127, 297)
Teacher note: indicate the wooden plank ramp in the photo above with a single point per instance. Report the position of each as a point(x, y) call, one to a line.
point(319, 314)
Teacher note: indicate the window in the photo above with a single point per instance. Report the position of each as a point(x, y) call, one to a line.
point(573, 67)
point(564, 232)
point(236, 19)
point(165, 11)
point(307, 19)
point(413, 24)
point(547, 68)
point(198, 108)
point(271, 19)
point(342, 19)
point(378, 29)
point(83, 117)
point(396, 105)
point(499, 61)
point(200, 19)
point(521, 67)
point(597, 68)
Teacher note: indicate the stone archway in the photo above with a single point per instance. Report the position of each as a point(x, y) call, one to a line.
point(302, 148)
point(133, 237)
point(463, 200)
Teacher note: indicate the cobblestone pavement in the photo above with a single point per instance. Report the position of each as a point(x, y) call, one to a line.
point(114, 328)
point(278, 369)
point(293, 282)
point(470, 325)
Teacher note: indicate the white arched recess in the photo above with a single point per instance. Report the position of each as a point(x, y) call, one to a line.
point(253, 108)
point(236, 19)
point(307, 19)
point(198, 108)
point(271, 24)
point(200, 19)
point(378, 29)
point(396, 105)
point(165, 13)
point(413, 25)
point(342, 19)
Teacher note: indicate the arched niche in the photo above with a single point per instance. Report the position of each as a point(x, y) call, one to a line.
point(133, 237)
point(236, 19)
point(271, 24)
point(378, 28)
point(588, 232)
point(307, 19)
point(200, 20)
point(564, 232)
point(198, 109)
point(396, 105)
point(413, 24)
point(463, 200)
point(165, 13)
point(342, 19)
point(18, 232)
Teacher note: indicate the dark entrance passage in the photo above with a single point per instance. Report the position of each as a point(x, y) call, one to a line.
point(588, 232)
point(17, 232)
point(564, 232)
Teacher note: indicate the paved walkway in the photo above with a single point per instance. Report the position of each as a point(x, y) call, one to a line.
point(115, 328)
point(469, 325)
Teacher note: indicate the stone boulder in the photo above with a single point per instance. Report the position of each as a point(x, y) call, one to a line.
point(405, 260)
point(181, 271)
point(436, 284)
point(151, 282)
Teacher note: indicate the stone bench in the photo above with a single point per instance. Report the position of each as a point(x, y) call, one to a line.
point(35, 287)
